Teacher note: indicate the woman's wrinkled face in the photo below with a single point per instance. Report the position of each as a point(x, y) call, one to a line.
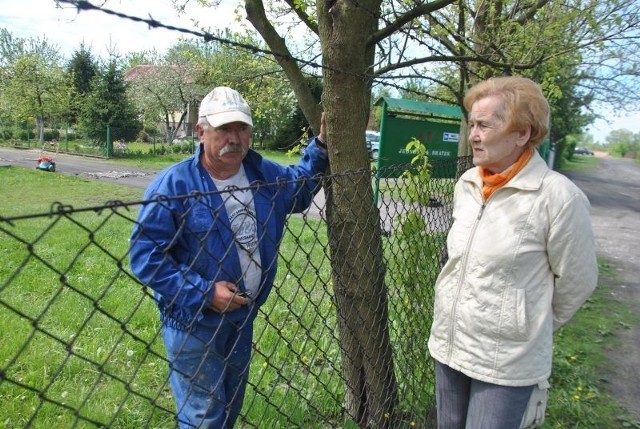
point(494, 146)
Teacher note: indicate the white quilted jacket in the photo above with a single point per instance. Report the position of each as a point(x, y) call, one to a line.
point(519, 267)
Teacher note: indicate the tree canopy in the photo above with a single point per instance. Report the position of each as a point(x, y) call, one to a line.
point(34, 84)
point(108, 106)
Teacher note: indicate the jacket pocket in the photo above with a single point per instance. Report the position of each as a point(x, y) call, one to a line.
point(199, 220)
point(514, 319)
point(205, 242)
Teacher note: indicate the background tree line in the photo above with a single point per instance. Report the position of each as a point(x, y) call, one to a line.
point(45, 92)
point(88, 94)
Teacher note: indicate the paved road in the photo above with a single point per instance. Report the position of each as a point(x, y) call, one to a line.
point(613, 189)
point(89, 167)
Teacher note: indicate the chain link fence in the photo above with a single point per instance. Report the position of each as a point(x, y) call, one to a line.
point(82, 345)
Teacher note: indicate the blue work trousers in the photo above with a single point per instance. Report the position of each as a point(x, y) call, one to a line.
point(208, 373)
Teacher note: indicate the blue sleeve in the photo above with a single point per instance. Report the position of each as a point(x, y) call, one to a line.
point(154, 243)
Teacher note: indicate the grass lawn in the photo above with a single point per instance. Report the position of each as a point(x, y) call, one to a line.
point(576, 399)
point(117, 375)
point(139, 157)
point(29, 191)
point(580, 163)
point(82, 344)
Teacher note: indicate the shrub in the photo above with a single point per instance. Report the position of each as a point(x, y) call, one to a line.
point(25, 135)
point(6, 134)
point(51, 135)
point(143, 136)
point(183, 148)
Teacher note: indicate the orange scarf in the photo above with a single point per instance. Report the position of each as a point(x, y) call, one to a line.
point(492, 182)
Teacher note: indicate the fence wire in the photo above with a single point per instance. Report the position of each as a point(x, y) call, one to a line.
point(82, 345)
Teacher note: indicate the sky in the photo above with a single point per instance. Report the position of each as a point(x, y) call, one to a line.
point(67, 29)
point(601, 128)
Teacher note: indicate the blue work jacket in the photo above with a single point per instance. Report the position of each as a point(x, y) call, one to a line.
point(182, 241)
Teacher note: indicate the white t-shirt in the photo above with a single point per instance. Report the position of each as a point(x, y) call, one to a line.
point(238, 200)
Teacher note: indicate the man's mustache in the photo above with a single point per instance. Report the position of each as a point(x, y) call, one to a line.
point(232, 148)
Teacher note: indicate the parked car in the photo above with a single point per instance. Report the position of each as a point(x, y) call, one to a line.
point(582, 151)
point(373, 143)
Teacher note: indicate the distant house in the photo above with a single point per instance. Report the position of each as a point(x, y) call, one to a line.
point(178, 129)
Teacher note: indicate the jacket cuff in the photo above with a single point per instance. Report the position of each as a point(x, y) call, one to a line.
point(321, 144)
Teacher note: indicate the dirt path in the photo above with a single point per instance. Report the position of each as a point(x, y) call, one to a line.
point(613, 189)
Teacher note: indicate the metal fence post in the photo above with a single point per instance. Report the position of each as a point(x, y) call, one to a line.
point(109, 143)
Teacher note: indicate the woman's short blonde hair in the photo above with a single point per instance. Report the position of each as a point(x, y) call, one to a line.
point(523, 104)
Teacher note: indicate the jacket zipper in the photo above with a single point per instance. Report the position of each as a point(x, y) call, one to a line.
point(464, 261)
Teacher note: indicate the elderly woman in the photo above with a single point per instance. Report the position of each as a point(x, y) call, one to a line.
point(521, 262)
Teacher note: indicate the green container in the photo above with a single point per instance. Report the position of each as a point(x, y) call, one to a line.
point(436, 126)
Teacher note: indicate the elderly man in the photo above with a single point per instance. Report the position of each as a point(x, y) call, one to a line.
point(206, 242)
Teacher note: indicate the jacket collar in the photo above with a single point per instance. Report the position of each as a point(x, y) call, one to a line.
point(529, 178)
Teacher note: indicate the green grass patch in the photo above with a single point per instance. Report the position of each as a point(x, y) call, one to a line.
point(158, 156)
point(580, 163)
point(576, 397)
point(297, 354)
point(28, 191)
point(84, 344)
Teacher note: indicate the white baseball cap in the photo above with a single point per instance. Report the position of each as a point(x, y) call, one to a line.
point(224, 105)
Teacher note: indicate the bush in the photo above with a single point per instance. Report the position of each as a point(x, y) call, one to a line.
point(24, 135)
point(182, 148)
point(71, 134)
point(51, 135)
point(6, 134)
point(146, 133)
point(143, 136)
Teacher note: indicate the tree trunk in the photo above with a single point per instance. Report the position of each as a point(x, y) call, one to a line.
point(354, 220)
point(40, 129)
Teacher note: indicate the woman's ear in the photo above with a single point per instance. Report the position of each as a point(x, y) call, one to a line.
point(524, 136)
